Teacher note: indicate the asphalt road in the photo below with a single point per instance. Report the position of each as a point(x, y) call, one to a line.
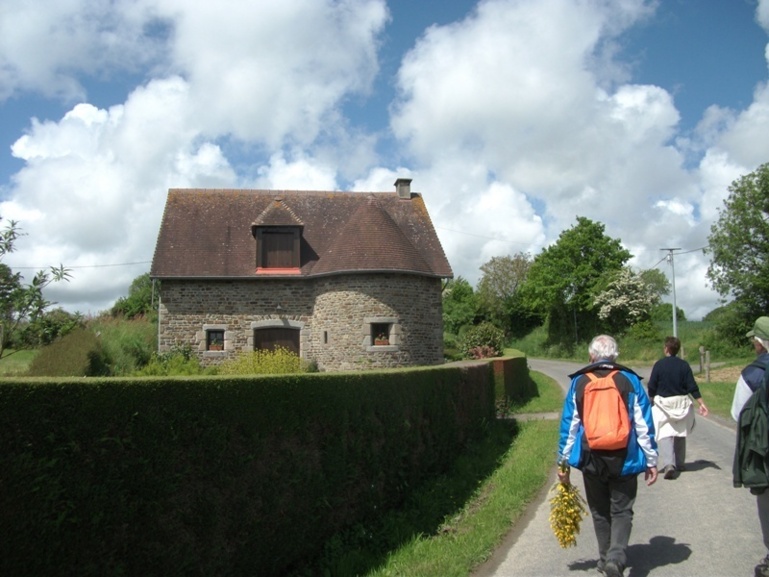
point(696, 525)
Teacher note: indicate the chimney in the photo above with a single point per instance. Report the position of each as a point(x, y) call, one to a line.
point(403, 188)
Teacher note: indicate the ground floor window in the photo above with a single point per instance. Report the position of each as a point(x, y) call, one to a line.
point(269, 338)
point(380, 334)
point(214, 339)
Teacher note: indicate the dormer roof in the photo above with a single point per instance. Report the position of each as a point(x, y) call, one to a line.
point(210, 233)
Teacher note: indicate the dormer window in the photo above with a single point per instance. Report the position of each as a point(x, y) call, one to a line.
point(277, 249)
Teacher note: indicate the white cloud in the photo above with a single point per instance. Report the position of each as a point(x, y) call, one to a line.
point(45, 45)
point(762, 14)
point(512, 122)
point(274, 71)
point(94, 185)
point(299, 174)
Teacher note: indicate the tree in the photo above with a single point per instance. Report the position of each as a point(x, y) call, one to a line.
point(739, 244)
point(22, 307)
point(657, 282)
point(564, 279)
point(502, 276)
point(627, 300)
point(460, 306)
point(140, 300)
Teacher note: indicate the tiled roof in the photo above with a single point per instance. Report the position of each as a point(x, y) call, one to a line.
point(208, 233)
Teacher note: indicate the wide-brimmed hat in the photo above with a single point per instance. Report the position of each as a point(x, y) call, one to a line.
point(760, 328)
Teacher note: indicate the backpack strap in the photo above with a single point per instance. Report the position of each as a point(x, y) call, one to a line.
point(593, 378)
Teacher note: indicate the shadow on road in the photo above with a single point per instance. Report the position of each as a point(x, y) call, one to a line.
point(701, 464)
point(659, 552)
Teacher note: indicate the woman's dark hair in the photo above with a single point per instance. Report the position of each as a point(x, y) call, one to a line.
point(673, 345)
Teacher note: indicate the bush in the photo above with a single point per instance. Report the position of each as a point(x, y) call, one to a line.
point(78, 354)
point(484, 339)
point(279, 361)
point(180, 361)
point(127, 345)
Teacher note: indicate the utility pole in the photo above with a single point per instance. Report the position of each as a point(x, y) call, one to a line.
point(673, 276)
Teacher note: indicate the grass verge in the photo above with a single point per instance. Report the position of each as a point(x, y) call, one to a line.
point(17, 363)
point(453, 524)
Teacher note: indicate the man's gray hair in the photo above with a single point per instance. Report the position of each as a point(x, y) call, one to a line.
point(763, 342)
point(603, 347)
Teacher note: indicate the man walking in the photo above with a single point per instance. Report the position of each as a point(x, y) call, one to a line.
point(752, 472)
point(670, 385)
point(610, 474)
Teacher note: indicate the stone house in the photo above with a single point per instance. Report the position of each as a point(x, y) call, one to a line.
point(348, 280)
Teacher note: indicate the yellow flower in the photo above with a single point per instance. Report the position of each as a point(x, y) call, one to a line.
point(567, 508)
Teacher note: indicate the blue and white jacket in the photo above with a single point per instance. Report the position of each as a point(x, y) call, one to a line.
point(750, 379)
point(641, 452)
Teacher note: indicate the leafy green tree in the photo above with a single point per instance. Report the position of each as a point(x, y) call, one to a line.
point(502, 276)
point(664, 312)
point(54, 324)
point(565, 278)
point(739, 245)
point(656, 280)
point(140, 300)
point(460, 306)
point(626, 301)
point(22, 307)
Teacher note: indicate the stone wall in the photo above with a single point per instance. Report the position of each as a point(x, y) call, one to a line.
point(332, 314)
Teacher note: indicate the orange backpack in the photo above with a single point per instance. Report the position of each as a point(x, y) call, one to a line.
point(604, 414)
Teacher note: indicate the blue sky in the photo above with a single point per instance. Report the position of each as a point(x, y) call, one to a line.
point(512, 117)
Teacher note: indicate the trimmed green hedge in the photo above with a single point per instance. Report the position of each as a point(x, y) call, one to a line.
point(512, 381)
point(218, 475)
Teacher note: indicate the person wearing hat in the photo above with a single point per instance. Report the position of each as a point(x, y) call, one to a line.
point(751, 378)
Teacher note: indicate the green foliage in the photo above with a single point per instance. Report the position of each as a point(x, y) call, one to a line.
point(127, 345)
point(647, 332)
point(17, 364)
point(51, 325)
point(278, 361)
point(729, 324)
point(483, 340)
point(498, 285)
point(139, 302)
point(663, 312)
point(739, 245)
point(179, 361)
point(220, 476)
point(22, 307)
point(657, 282)
point(520, 318)
point(460, 305)
point(78, 354)
point(564, 279)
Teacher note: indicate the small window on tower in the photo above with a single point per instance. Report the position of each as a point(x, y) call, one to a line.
point(380, 334)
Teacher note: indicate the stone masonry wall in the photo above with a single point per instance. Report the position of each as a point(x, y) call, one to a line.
point(332, 314)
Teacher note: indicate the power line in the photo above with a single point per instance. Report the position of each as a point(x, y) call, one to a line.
point(81, 266)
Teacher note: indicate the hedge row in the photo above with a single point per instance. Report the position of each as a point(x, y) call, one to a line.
point(217, 475)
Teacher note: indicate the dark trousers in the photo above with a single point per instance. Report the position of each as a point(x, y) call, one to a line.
point(611, 505)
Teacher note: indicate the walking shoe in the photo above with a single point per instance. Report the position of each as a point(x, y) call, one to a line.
point(762, 569)
point(670, 472)
point(612, 569)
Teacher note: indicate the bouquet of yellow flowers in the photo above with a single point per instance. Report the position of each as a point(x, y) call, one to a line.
point(567, 508)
